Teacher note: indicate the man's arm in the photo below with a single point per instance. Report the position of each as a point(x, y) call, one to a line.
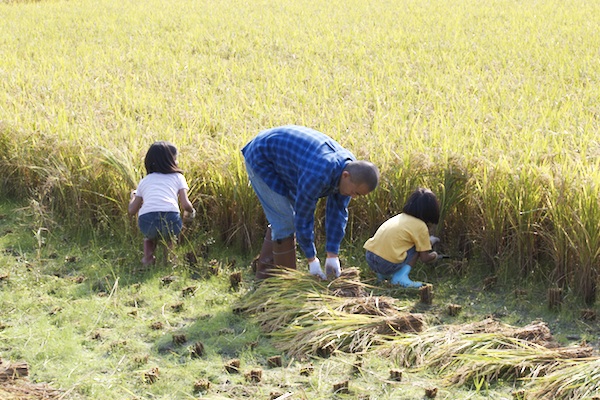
point(336, 218)
point(304, 221)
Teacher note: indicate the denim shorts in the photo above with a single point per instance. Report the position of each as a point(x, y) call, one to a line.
point(383, 266)
point(160, 225)
point(278, 209)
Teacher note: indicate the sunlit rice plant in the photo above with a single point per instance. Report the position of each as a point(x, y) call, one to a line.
point(503, 92)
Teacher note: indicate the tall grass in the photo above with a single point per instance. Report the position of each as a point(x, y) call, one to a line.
point(492, 104)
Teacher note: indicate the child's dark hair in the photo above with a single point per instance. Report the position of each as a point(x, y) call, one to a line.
point(162, 157)
point(423, 204)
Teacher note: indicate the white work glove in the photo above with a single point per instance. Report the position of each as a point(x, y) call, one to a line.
point(434, 239)
point(332, 266)
point(314, 267)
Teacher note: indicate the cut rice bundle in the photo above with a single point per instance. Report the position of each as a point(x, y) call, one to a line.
point(309, 316)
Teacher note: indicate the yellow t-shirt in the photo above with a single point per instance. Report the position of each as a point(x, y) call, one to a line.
point(398, 234)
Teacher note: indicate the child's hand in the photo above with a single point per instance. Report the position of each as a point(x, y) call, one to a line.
point(189, 216)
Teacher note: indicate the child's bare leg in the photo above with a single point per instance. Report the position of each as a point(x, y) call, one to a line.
point(413, 260)
point(149, 248)
point(170, 256)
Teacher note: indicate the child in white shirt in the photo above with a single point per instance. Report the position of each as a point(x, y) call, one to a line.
point(157, 199)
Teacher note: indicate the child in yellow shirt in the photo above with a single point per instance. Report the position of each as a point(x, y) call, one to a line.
point(403, 239)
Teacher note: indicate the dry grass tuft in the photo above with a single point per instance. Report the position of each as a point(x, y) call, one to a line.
point(486, 351)
point(232, 366)
point(254, 375)
point(341, 387)
point(573, 379)
point(309, 316)
point(348, 284)
point(14, 383)
point(274, 361)
point(22, 389)
point(11, 371)
point(151, 376)
point(201, 385)
point(436, 345)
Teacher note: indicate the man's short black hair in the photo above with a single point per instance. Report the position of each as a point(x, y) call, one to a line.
point(363, 173)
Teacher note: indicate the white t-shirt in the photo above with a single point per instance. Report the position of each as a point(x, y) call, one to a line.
point(159, 192)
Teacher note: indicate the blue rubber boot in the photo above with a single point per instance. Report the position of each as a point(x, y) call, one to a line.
point(381, 278)
point(401, 278)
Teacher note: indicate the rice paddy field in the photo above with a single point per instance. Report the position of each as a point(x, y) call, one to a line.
point(493, 105)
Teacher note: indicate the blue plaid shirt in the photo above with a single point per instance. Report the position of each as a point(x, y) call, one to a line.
point(304, 165)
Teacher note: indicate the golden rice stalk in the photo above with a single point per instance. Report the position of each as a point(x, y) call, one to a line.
point(348, 284)
point(575, 379)
point(121, 164)
point(437, 345)
point(434, 348)
point(328, 316)
point(309, 317)
point(514, 359)
point(279, 299)
point(326, 330)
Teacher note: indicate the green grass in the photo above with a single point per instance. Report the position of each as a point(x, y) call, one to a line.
point(83, 317)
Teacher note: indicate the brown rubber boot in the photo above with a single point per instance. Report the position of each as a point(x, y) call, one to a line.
point(265, 259)
point(284, 252)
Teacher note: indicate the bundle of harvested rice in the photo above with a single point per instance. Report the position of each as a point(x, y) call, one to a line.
point(324, 331)
point(433, 347)
point(513, 359)
point(14, 383)
point(483, 357)
point(279, 299)
point(23, 389)
point(13, 370)
point(437, 346)
point(575, 379)
point(370, 305)
point(537, 331)
point(348, 284)
point(309, 317)
point(324, 324)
